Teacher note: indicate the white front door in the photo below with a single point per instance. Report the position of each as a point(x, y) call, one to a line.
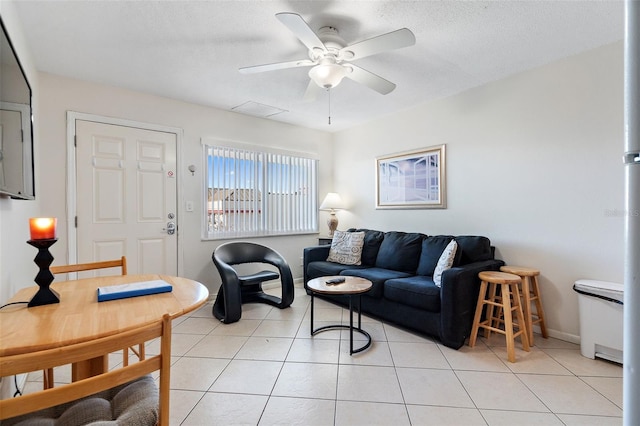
point(126, 196)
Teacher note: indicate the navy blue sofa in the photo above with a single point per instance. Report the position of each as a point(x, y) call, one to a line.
point(400, 265)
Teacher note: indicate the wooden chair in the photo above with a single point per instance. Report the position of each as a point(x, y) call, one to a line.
point(80, 267)
point(85, 397)
point(64, 269)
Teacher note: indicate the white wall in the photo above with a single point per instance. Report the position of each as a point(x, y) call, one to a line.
point(17, 269)
point(59, 95)
point(533, 163)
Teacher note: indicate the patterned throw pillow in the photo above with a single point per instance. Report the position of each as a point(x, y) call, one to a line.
point(346, 248)
point(445, 262)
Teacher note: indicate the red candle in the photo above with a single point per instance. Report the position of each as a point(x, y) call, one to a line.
point(43, 228)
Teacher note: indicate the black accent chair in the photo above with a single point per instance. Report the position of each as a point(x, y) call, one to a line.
point(236, 290)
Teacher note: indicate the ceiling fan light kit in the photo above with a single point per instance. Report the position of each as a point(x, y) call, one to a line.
point(328, 74)
point(328, 54)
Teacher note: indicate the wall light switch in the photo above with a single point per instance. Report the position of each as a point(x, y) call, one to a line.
point(188, 206)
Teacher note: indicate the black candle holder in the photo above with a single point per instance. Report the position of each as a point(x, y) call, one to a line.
point(43, 259)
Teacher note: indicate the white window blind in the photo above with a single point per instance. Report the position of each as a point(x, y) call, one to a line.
point(251, 193)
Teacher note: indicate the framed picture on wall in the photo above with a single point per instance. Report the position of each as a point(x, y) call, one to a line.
point(412, 180)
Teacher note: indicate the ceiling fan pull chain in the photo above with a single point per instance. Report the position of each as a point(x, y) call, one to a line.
point(329, 91)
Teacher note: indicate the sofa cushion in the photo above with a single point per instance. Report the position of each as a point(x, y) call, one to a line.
point(473, 249)
point(377, 277)
point(372, 241)
point(346, 248)
point(445, 262)
point(400, 251)
point(417, 291)
point(432, 248)
point(323, 268)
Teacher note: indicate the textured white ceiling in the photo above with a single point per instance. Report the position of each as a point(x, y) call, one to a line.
point(191, 50)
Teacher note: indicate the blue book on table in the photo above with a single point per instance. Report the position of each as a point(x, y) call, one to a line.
point(122, 291)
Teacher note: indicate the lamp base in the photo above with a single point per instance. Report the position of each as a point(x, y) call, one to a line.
point(332, 223)
point(45, 295)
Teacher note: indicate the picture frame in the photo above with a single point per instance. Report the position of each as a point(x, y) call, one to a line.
point(412, 179)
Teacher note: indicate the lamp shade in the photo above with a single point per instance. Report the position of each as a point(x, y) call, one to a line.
point(327, 75)
point(332, 202)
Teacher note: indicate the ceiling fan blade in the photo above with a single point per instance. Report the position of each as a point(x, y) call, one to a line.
point(276, 66)
point(301, 29)
point(312, 92)
point(389, 41)
point(370, 80)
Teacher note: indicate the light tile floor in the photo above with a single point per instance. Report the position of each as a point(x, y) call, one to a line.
point(267, 370)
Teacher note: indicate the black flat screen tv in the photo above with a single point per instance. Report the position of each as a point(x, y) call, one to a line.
point(16, 125)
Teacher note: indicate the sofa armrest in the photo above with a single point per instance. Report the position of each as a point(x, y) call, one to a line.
point(313, 254)
point(458, 298)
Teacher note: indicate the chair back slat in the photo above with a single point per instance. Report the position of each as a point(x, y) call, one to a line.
point(63, 269)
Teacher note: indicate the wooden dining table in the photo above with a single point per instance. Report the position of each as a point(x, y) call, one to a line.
point(79, 317)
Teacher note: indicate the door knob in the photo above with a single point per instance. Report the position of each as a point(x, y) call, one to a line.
point(171, 228)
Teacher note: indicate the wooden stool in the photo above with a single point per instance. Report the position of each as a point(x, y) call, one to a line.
point(530, 293)
point(508, 301)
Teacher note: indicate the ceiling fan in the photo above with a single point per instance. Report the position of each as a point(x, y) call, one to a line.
point(330, 56)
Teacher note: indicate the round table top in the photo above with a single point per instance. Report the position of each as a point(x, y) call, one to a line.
point(523, 271)
point(80, 317)
point(499, 277)
point(351, 285)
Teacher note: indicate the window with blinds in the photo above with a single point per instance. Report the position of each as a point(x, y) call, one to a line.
point(251, 193)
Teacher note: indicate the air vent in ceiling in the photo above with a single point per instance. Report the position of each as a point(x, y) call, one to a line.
point(258, 109)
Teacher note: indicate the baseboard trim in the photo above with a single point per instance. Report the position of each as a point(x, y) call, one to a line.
point(560, 335)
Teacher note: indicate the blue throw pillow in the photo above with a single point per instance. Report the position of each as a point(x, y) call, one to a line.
point(432, 248)
point(400, 251)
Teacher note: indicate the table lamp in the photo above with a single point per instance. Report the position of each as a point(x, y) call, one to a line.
point(43, 236)
point(332, 202)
